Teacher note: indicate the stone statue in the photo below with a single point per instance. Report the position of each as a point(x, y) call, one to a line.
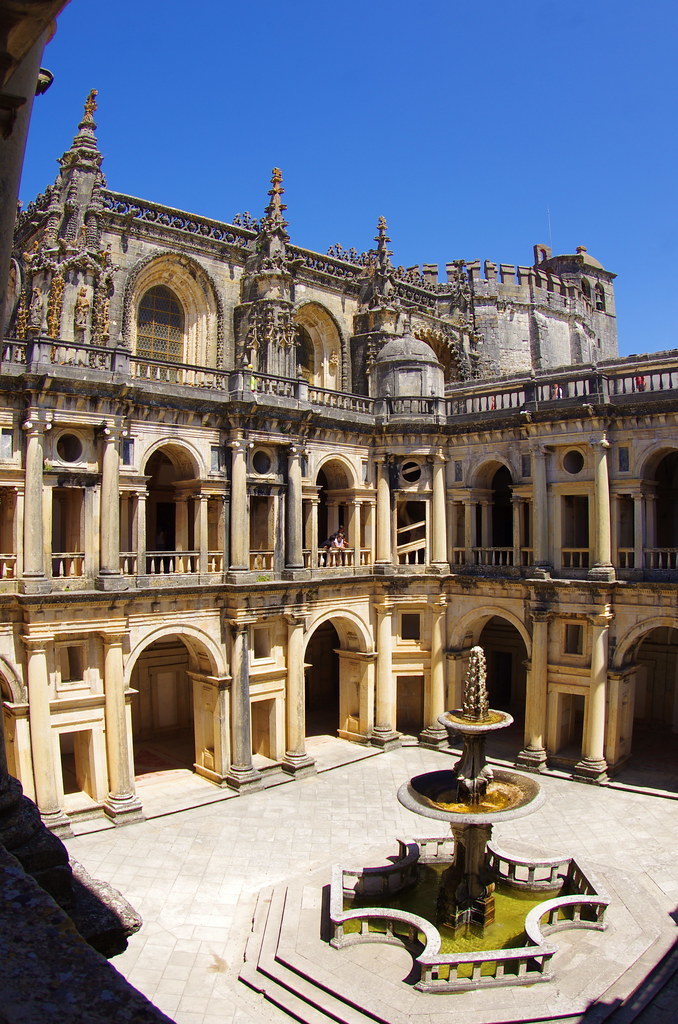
point(81, 311)
point(35, 311)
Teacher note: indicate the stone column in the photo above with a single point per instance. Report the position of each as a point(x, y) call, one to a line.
point(384, 562)
point(602, 568)
point(540, 514)
point(241, 774)
point(34, 579)
point(435, 734)
point(593, 767)
point(201, 530)
point(296, 760)
point(516, 509)
point(140, 522)
point(486, 524)
point(384, 734)
point(353, 530)
point(240, 527)
point(533, 757)
point(639, 530)
point(42, 740)
point(109, 574)
point(469, 513)
point(122, 803)
point(181, 564)
point(294, 546)
point(439, 556)
point(313, 537)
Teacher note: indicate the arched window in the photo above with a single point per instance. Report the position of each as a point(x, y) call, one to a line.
point(586, 288)
point(160, 326)
point(305, 352)
point(600, 298)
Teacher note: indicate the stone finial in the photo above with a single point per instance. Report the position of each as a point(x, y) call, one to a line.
point(84, 151)
point(476, 704)
point(273, 221)
point(90, 107)
point(381, 238)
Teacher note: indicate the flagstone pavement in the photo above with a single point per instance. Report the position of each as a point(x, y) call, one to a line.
point(194, 875)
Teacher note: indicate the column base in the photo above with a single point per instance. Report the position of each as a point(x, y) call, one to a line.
point(111, 582)
point(243, 778)
point(298, 765)
point(592, 772)
point(123, 810)
point(35, 585)
point(532, 759)
point(58, 823)
point(542, 571)
point(245, 575)
point(387, 739)
point(383, 569)
point(294, 573)
point(440, 568)
point(433, 737)
point(604, 573)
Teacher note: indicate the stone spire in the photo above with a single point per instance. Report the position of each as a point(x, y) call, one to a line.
point(84, 150)
point(382, 290)
point(476, 703)
point(272, 240)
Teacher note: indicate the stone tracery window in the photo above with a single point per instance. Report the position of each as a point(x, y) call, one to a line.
point(160, 325)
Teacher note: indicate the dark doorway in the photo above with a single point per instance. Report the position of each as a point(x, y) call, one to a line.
point(410, 705)
point(322, 682)
point(502, 509)
point(505, 654)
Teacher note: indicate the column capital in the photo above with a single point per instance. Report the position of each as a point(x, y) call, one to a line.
point(384, 607)
point(295, 620)
point(601, 442)
point(37, 643)
point(113, 637)
point(541, 614)
point(240, 444)
point(109, 433)
point(34, 426)
point(238, 626)
point(601, 619)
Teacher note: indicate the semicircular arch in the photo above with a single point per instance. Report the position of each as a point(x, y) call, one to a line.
point(628, 643)
point(328, 343)
point(483, 474)
point(197, 641)
point(186, 459)
point(353, 633)
point(467, 629)
point(654, 456)
point(344, 464)
point(11, 683)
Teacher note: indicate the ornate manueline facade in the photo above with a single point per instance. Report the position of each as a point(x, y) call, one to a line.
point(190, 408)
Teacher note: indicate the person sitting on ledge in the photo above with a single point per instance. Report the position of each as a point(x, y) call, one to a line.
point(335, 542)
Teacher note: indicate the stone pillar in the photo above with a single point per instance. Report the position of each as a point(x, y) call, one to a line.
point(439, 556)
point(353, 530)
point(602, 568)
point(313, 537)
point(384, 734)
point(42, 740)
point(593, 767)
point(296, 760)
point(241, 774)
point(486, 524)
point(533, 756)
point(639, 530)
point(109, 574)
point(34, 579)
point(122, 803)
point(294, 547)
point(384, 562)
point(516, 510)
point(540, 515)
point(469, 512)
point(435, 734)
point(201, 531)
point(140, 523)
point(181, 531)
point(240, 527)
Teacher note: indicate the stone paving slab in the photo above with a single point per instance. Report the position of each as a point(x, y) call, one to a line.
point(195, 876)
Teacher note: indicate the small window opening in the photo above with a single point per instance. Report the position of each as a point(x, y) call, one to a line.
point(600, 298)
point(6, 444)
point(574, 638)
point(410, 626)
point(127, 451)
point(261, 644)
point(71, 664)
point(623, 460)
point(69, 448)
point(411, 471)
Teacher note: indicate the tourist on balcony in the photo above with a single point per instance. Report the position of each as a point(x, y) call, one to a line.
point(335, 542)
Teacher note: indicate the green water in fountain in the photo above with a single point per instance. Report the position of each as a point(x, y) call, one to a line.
point(500, 796)
point(506, 932)
point(491, 718)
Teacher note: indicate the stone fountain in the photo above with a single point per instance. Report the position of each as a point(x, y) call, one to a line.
point(472, 798)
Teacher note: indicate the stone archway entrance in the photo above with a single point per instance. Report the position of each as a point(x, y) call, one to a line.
point(655, 711)
point(322, 682)
point(339, 681)
point(162, 709)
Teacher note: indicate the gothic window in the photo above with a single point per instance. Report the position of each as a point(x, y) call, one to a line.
point(586, 288)
point(160, 326)
point(600, 298)
point(305, 352)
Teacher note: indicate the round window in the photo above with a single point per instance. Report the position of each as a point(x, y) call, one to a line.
point(573, 461)
point(261, 461)
point(411, 471)
point(69, 448)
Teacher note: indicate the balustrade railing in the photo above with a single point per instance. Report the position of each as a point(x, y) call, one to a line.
point(67, 564)
point(493, 556)
point(162, 372)
point(661, 558)
point(128, 563)
point(340, 400)
point(215, 561)
point(626, 558)
point(575, 558)
point(261, 560)
point(167, 563)
point(7, 567)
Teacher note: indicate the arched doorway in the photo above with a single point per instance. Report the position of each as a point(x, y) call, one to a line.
point(666, 478)
point(502, 509)
point(505, 655)
point(655, 716)
point(322, 682)
point(172, 539)
point(162, 708)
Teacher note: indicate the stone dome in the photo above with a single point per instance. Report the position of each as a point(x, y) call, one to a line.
point(408, 367)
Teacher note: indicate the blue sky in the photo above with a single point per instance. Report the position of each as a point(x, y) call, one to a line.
point(467, 125)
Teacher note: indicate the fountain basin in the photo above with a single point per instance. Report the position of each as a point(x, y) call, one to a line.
point(457, 721)
point(433, 795)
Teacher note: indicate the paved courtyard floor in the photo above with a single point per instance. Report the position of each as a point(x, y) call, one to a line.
point(194, 876)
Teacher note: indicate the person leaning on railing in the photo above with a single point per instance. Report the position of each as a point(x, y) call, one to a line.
point(335, 542)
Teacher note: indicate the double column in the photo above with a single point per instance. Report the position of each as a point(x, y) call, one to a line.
point(240, 527)
point(296, 760)
point(384, 734)
point(241, 774)
point(109, 573)
point(602, 568)
point(540, 513)
point(435, 734)
point(384, 560)
point(439, 556)
point(34, 580)
point(294, 533)
point(122, 803)
point(42, 739)
point(593, 766)
point(533, 756)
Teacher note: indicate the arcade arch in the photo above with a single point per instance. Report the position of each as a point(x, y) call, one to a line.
point(339, 680)
point(334, 501)
point(318, 346)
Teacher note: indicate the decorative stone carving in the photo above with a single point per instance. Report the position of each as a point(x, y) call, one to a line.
point(54, 306)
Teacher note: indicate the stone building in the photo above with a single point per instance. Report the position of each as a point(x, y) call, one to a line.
point(190, 408)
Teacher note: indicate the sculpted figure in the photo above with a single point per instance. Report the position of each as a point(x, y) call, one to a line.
point(35, 311)
point(81, 313)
